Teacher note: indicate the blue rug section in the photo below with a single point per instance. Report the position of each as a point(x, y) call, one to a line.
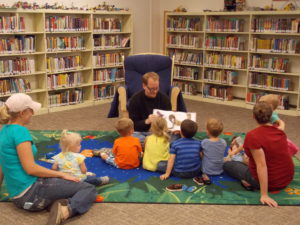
point(100, 168)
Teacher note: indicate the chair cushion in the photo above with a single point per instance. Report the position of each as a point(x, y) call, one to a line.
point(137, 65)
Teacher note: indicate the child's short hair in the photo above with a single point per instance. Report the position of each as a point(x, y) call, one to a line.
point(214, 127)
point(124, 126)
point(262, 112)
point(271, 99)
point(68, 139)
point(159, 127)
point(188, 128)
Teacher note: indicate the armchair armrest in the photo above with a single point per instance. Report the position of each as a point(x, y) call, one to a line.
point(174, 95)
point(122, 102)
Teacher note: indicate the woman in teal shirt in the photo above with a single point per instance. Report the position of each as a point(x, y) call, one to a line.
point(30, 186)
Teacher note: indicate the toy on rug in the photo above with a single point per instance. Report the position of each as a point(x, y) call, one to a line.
point(99, 198)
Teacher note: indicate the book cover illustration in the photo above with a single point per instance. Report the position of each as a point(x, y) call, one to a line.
point(174, 119)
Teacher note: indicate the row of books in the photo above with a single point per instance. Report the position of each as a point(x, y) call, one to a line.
point(108, 75)
point(17, 65)
point(111, 41)
point(253, 97)
point(17, 44)
point(55, 43)
point(225, 60)
point(281, 45)
point(64, 80)
point(184, 72)
point(269, 81)
point(108, 59)
point(276, 25)
point(184, 40)
point(104, 91)
point(10, 24)
point(215, 24)
point(186, 87)
point(66, 97)
point(14, 85)
point(186, 57)
point(60, 64)
point(221, 76)
point(66, 23)
point(184, 24)
point(102, 24)
point(267, 63)
point(225, 42)
point(217, 92)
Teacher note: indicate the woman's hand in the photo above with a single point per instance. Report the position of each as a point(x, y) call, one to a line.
point(265, 199)
point(164, 176)
point(69, 177)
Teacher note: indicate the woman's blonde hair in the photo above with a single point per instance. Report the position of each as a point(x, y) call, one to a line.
point(68, 139)
point(159, 128)
point(5, 115)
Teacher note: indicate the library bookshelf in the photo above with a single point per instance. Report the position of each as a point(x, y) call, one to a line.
point(233, 58)
point(64, 59)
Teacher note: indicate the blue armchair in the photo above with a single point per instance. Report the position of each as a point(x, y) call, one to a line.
point(135, 67)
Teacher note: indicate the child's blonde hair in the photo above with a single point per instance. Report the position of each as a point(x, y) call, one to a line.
point(271, 99)
point(124, 126)
point(159, 128)
point(214, 127)
point(68, 139)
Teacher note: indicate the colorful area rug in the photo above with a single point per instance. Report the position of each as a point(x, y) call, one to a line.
point(141, 186)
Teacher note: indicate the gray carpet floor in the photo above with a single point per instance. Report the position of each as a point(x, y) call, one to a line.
point(94, 118)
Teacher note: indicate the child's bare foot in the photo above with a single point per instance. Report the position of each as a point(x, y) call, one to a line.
point(104, 156)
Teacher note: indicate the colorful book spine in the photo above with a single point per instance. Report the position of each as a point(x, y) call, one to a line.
point(17, 44)
point(280, 45)
point(184, 24)
point(221, 76)
point(108, 75)
point(225, 60)
point(267, 63)
point(14, 85)
point(66, 23)
point(111, 41)
point(253, 97)
point(108, 59)
point(233, 43)
point(17, 65)
point(186, 57)
point(55, 43)
point(186, 87)
point(261, 80)
point(184, 72)
point(184, 41)
point(216, 24)
point(275, 25)
point(64, 80)
point(67, 97)
point(9, 24)
point(60, 64)
point(217, 92)
point(104, 91)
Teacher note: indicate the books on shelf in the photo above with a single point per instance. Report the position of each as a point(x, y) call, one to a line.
point(104, 91)
point(186, 57)
point(253, 97)
point(55, 43)
point(276, 25)
point(233, 43)
point(17, 44)
point(14, 85)
point(269, 81)
point(184, 41)
point(174, 119)
point(268, 63)
point(10, 24)
point(67, 97)
point(184, 24)
point(185, 72)
point(111, 41)
point(18, 65)
point(66, 23)
point(108, 75)
point(60, 64)
point(277, 45)
point(64, 80)
point(216, 24)
point(107, 24)
point(221, 76)
point(186, 87)
point(225, 60)
point(108, 59)
point(217, 92)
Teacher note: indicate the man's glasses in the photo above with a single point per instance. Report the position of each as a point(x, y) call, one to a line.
point(152, 89)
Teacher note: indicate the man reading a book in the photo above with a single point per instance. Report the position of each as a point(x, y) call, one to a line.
point(141, 105)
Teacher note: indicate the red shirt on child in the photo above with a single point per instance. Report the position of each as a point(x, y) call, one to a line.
point(274, 144)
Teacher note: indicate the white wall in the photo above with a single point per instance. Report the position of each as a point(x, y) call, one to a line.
point(148, 16)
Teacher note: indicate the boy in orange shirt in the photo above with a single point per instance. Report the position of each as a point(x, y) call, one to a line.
point(127, 149)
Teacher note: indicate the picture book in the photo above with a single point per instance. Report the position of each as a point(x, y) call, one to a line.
point(174, 119)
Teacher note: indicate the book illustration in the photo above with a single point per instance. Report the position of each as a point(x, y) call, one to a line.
point(174, 119)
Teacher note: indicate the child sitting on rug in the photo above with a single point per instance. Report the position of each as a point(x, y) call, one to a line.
point(184, 160)
point(72, 162)
point(127, 150)
point(156, 145)
point(213, 150)
point(273, 100)
point(236, 150)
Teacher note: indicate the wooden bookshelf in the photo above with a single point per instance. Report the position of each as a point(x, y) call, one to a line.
point(50, 55)
point(232, 58)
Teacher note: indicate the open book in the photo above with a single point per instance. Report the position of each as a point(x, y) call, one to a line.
point(174, 119)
